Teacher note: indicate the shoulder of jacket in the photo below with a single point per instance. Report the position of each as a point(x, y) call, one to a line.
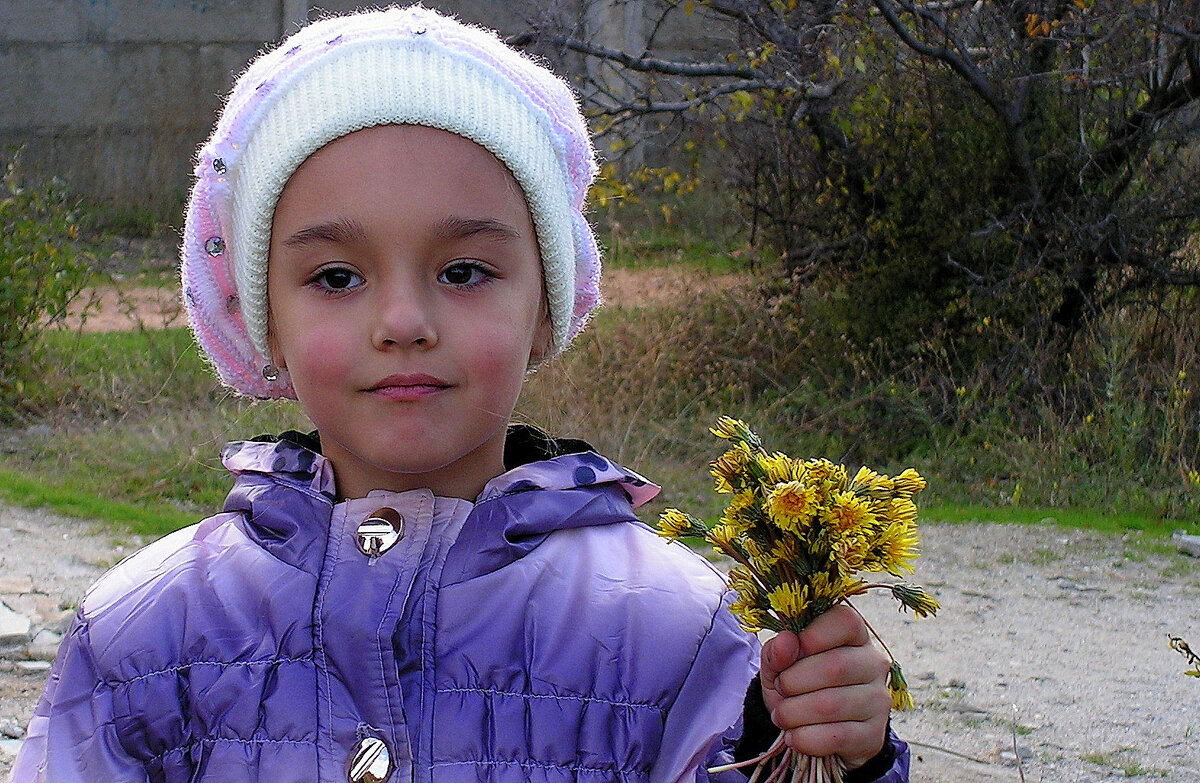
point(175, 556)
point(637, 555)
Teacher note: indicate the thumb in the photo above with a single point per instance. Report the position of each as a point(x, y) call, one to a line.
point(778, 654)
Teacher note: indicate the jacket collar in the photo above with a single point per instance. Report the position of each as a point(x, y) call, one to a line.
point(535, 461)
point(512, 515)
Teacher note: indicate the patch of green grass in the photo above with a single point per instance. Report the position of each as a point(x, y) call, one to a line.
point(130, 431)
point(75, 500)
point(160, 458)
point(1060, 517)
point(1181, 566)
point(1044, 556)
point(111, 374)
point(1129, 768)
point(697, 230)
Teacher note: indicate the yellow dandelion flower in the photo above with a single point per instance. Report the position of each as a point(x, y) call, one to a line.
point(735, 523)
point(875, 485)
point(909, 483)
point(848, 514)
point(850, 552)
point(897, 547)
point(674, 523)
point(742, 501)
point(901, 698)
point(915, 598)
point(728, 469)
point(778, 468)
point(789, 600)
point(743, 605)
point(754, 620)
point(825, 474)
point(787, 549)
point(792, 506)
point(833, 587)
point(730, 428)
point(761, 556)
point(900, 509)
point(723, 537)
point(741, 582)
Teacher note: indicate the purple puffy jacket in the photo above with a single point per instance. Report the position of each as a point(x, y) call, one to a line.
point(538, 634)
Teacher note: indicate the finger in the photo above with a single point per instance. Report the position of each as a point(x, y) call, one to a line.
point(834, 668)
point(855, 742)
point(865, 703)
point(838, 627)
point(777, 655)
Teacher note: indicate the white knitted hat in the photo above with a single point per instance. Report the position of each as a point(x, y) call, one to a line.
point(399, 66)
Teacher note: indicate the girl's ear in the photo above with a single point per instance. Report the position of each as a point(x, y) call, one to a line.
point(277, 357)
point(543, 342)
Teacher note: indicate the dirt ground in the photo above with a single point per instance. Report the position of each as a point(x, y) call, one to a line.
point(1057, 638)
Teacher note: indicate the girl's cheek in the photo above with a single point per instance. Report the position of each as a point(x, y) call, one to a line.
point(320, 349)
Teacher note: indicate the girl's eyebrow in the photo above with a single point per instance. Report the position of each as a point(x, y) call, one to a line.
point(455, 227)
point(342, 231)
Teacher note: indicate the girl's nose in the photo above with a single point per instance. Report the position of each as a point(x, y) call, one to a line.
point(404, 317)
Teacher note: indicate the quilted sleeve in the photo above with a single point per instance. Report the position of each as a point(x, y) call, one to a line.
point(890, 766)
point(706, 712)
point(72, 737)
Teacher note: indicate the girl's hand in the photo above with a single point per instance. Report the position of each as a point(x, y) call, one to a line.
point(827, 688)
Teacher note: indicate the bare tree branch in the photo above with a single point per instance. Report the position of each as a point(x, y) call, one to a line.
point(958, 57)
point(641, 64)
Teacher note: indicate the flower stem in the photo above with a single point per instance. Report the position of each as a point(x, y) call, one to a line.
point(771, 751)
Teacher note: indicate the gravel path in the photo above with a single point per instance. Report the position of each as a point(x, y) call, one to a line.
point(1057, 637)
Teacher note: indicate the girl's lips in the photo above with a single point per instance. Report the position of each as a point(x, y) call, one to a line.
point(408, 387)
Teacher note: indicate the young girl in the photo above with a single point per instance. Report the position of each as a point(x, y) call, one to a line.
point(386, 226)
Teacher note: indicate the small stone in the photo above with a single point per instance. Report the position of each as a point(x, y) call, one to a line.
point(14, 628)
point(59, 622)
point(15, 584)
point(44, 646)
point(12, 731)
point(10, 747)
point(1008, 758)
point(1187, 544)
point(33, 666)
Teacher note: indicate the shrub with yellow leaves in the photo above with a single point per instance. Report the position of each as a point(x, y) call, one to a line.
point(802, 533)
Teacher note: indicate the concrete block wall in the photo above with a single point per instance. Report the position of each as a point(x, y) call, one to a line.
point(115, 95)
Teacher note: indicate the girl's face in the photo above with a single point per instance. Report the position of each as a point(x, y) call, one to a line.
point(405, 291)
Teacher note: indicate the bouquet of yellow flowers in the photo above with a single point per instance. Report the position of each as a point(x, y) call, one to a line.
point(801, 532)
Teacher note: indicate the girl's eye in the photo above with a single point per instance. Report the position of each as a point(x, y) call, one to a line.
point(337, 279)
point(464, 274)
